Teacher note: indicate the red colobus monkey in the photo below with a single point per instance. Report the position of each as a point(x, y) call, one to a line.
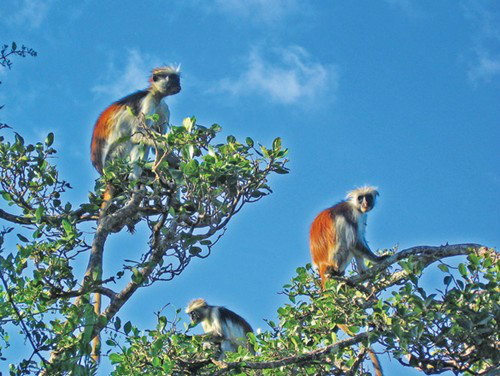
point(220, 325)
point(338, 234)
point(117, 133)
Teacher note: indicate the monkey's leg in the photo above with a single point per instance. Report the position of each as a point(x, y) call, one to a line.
point(326, 271)
point(360, 263)
point(341, 257)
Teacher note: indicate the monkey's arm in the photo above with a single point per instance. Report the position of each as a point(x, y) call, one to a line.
point(363, 250)
point(149, 139)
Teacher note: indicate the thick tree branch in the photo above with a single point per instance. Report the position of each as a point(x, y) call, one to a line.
point(15, 218)
point(425, 254)
point(295, 359)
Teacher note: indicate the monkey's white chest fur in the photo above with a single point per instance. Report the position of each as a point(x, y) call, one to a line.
point(346, 240)
point(126, 137)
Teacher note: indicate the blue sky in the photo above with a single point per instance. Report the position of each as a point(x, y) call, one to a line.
point(401, 94)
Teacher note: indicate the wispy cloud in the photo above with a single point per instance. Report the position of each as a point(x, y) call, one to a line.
point(30, 13)
point(486, 68)
point(484, 64)
point(287, 75)
point(118, 82)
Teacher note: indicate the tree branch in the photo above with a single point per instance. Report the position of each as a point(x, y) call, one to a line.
point(426, 254)
point(296, 359)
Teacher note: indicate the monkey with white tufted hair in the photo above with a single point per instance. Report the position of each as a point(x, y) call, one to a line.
point(220, 325)
point(338, 234)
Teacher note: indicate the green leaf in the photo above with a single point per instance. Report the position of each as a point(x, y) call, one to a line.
point(264, 151)
point(277, 144)
point(118, 323)
point(136, 275)
point(462, 269)
point(6, 196)
point(22, 238)
point(249, 142)
point(216, 128)
point(156, 361)
point(188, 124)
point(191, 168)
point(195, 250)
point(281, 171)
point(39, 213)
point(443, 267)
point(115, 358)
point(475, 260)
point(162, 322)
point(127, 327)
point(50, 139)
point(67, 227)
point(211, 152)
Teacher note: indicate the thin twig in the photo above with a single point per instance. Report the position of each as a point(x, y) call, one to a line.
point(18, 314)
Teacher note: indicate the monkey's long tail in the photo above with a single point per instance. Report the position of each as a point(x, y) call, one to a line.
point(106, 199)
point(96, 344)
point(376, 362)
point(371, 353)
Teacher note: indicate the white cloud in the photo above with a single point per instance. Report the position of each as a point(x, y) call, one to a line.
point(134, 76)
point(288, 76)
point(484, 63)
point(31, 13)
point(483, 17)
point(485, 69)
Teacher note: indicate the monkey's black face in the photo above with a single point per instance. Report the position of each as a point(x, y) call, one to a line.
point(365, 203)
point(167, 84)
point(195, 317)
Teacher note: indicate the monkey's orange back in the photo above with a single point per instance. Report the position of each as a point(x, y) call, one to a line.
point(322, 241)
point(100, 136)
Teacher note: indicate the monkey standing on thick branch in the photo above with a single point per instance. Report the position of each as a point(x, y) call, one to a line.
point(338, 235)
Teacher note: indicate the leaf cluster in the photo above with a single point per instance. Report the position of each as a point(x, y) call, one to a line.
point(186, 197)
point(453, 329)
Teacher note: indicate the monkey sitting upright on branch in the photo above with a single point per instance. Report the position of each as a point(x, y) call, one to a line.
point(118, 133)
